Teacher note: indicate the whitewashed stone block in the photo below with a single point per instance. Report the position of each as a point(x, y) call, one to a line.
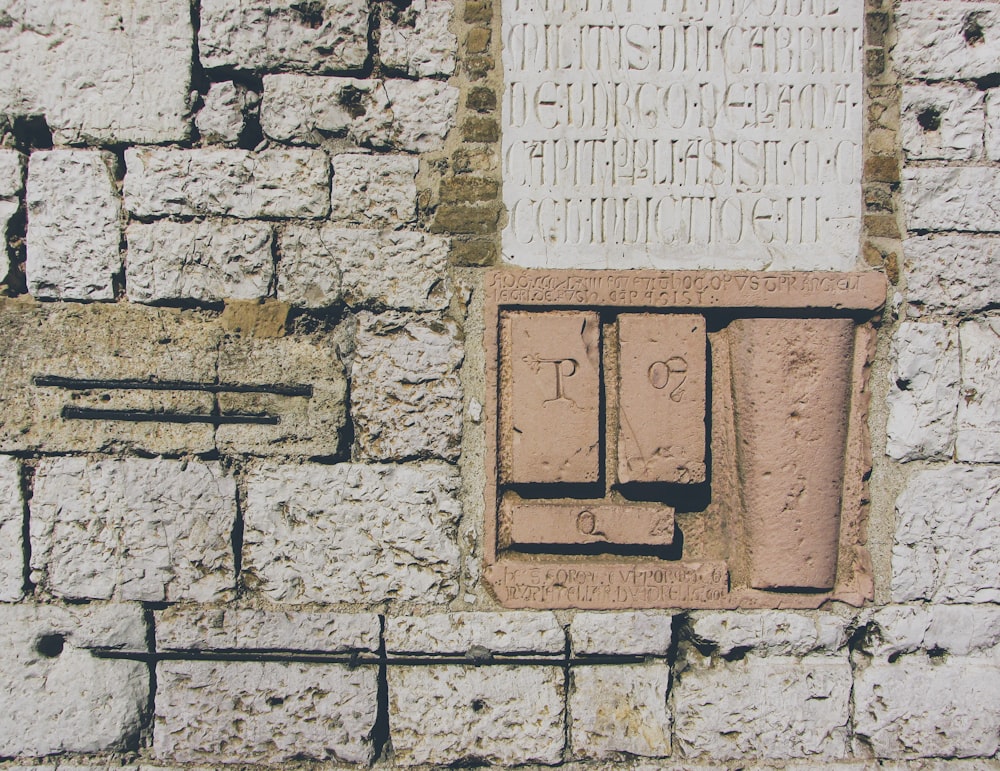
point(284, 35)
point(11, 528)
point(772, 708)
point(958, 629)
point(513, 632)
point(446, 715)
point(952, 198)
point(134, 529)
point(227, 712)
point(992, 138)
point(222, 117)
point(424, 112)
point(942, 122)
point(946, 40)
point(951, 273)
point(406, 394)
point(620, 710)
point(353, 533)
point(12, 166)
point(99, 72)
point(309, 273)
point(74, 225)
point(57, 696)
point(207, 261)
point(235, 183)
point(266, 630)
point(948, 536)
point(631, 633)
point(376, 191)
point(419, 41)
point(780, 632)
point(923, 399)
point(917, 707)
point(978, 437)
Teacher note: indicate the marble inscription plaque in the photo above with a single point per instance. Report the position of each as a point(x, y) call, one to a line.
point(682, 133)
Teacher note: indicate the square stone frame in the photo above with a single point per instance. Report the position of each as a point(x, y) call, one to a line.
point(528, 580)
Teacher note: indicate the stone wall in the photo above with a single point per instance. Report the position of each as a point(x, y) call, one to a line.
point(301, 196)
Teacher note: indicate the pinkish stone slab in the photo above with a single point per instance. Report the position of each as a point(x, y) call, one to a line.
point(583, 523)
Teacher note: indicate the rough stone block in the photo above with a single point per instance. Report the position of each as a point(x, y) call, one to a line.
point(227, 712)
point(620, 710)
point(951, 273)
point(424, 113)
point(780, 632)
point(923, 397)
point(74, 225)
point(919, 707)
point(406, 395)
point(235, 183)
point(946, 40)
point(629, 633)
point(458, 633)
point(978, 438)
point(955, 198)
point(352, 533)
point(284, 35)
point(375, 191)
point(957, 629)
point(11, 528)
point(943, 122)
point(99, 72)
point(58, 697)
point(402, 269)
point(992, 138)
point(773, 708)
point(308, 425)
point(447, 715)
point(207, 261)
point(253, 629)
point(419, 42)
point(133, 529)
point(223, 116)
point(948, 536)
point(12, 166)
point(103, 342)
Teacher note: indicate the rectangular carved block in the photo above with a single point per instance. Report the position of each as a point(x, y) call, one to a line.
point(661, 398)
point(550, 373)
point(534, 523)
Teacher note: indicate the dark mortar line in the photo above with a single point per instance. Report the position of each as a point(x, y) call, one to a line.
point(236, 536)
point(27, 473)
point(148, 724)
point(381, 733)
point(142, 416)
point(278, 389)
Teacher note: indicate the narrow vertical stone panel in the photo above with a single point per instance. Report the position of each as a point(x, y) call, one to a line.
point(661, 398)
point(791, 382)
point(551, 393)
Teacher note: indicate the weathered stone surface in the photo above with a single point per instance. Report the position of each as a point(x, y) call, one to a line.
point(308, 425)
point(226, 712)
point(207, 261)
point(923, 397)
point(57, 696)
point(505, 633)
point(402, 269)
point(270, 630)
point(419, 42)
point(222, 117)
point(936, 41)
point(781, 632)
point(958, 629)
point(951, 273)
point(948, 536)
point(74, 225)
point(99, 72)
point(919, 707)
point(978, 438)
point(11, 525)
point(583, 524)
point(955, 198)
point(103, 342)
point(133, 529)
point(620, 710)
point(771, 708)
point(374, 190)
point(284, 35)
point(406, 396)
point(12, 165)
point(635, 633)
point(445, 715)
point(237, 183)
point(992, 137)
point(942, 122)
point(424, 113)
point(352, 533)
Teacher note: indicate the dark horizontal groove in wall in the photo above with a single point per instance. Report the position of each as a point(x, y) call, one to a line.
point(141, 416)
point(278, 389)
